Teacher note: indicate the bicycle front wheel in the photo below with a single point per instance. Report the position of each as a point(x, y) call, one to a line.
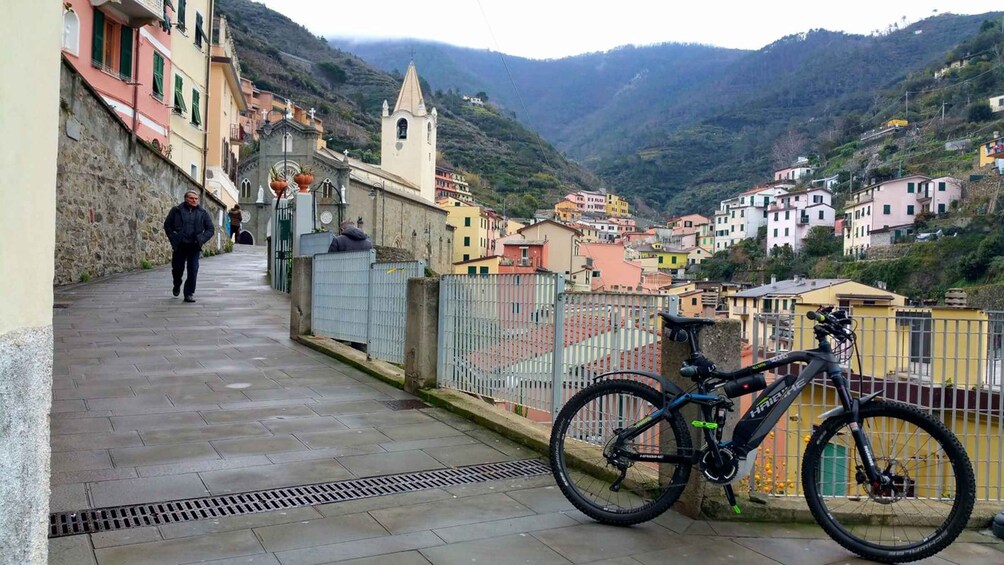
point(926, 502)
point(587, 426)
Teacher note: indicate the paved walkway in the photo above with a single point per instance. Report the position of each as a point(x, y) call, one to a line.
point(156, 400)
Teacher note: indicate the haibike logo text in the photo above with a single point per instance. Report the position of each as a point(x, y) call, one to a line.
point(767, 403)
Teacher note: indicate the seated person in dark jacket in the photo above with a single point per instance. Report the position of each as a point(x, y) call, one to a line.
point(351, 239)
point(188, 227)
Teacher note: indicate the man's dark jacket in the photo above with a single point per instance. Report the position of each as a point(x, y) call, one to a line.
point(352, 239)
point(188, 226)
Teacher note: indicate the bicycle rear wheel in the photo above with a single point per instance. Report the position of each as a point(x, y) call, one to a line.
point(587, 425)
point(921, 511)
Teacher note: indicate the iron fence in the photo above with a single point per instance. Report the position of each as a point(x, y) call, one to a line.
point(356, 299)
point(522, 341)
point(946, 362)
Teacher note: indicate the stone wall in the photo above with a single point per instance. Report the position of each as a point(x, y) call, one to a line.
point(885, 252)
point(112, 193)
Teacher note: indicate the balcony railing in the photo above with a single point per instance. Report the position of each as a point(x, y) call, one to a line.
point(802, 220)
point(237, 133)
point(137, 13)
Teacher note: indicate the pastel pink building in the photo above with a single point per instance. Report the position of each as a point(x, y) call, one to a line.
point(792, 215)
point(589, 202)
point(880, 213)
point(123, 50)
point(611, 272)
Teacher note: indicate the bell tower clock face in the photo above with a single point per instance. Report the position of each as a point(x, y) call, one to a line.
point(326, 217)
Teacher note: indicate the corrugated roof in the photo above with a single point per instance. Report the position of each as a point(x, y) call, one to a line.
point(788, 287)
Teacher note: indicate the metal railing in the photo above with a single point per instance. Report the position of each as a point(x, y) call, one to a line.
point(524, 342)
point(358, 300)
point(949, 363)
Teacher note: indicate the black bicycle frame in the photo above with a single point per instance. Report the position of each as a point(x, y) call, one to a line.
point(767, 408)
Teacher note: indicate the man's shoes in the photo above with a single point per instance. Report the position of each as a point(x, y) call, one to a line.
point(176, 290)
point(189, 298)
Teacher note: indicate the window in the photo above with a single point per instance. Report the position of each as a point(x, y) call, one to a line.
point(467, 241)
point(428, 133)
point(179, 96)
point(196, 114)
point(198, 30)
point(785, 232)
point(775, 232)
point(287, 142)
point(111, 46)
point(941, 187)
point(822, 215)
point(886, 209)
point(909, 210)
point(766, 304)
point(245, 189)
point(181, 15)
point(71, 32)
point(472, 270)
point(910, 187)
point(787, 214)
point(327, 188)
point(742, 213)
point(660, 259)
point(596, 274)
point(402, 129)
point(158, 76)
point(775, 216)
point(693, 301)
point(467, 222)
point(195, 171)
point(467, 257)
point(941, 208)
point(673, 260)
point(483, 270)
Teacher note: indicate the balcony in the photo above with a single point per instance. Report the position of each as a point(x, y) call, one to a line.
point(524, 262)
point(994, 149)
point(743, 311)
point(236, 133)
point(803, 220)
point(137, 13)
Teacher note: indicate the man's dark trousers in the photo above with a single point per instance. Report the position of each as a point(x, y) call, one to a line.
point(186, 255)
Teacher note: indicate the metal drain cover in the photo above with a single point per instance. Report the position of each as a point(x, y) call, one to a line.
point(89, 521)
point(410, 404)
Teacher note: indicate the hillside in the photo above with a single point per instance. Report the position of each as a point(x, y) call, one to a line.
point(506, 158)
point(681, 126)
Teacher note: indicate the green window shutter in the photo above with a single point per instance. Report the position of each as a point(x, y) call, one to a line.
point(158, 75)
point(941, 187)
point(198, 29)
point(472, 270)
point(196, 115)
point(909, 210)
point(909, 187)
point(181, 14)
point(98, 39)
point(125, 53)
point(179, 96)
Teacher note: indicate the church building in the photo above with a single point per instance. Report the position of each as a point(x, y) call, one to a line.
point(393, 202)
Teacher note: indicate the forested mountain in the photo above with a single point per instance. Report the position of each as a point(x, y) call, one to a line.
point(681, 126)
point(503, 156)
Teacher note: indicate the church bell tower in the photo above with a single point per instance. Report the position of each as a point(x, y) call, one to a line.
point(408, 137)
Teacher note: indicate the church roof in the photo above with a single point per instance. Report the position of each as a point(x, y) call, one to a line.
point(410, 98)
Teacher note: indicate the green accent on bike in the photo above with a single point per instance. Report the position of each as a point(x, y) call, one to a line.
point(700, 424)
point(736, 508)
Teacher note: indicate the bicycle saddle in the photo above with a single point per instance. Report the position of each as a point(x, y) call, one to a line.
point(683, 321)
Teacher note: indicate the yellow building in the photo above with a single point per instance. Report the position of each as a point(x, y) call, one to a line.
point(190, 48)
point(476, 229)
point(226, 102)
point(781, 297)
point(697, 254)
point(617, 207)
point(991, 151)
point(943, 358)
point(567, 211)
point(479, 266)
point(666, 258)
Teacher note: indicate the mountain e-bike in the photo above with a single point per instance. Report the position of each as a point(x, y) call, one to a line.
point(884, 479)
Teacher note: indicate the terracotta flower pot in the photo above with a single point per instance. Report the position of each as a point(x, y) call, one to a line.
point(303, 181)
point(278, 187)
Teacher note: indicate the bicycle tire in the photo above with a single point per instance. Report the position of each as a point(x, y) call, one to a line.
point(945, 461)
point(646, 483)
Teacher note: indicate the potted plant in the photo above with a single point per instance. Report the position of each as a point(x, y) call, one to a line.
point(304, 178)
point(278, 183)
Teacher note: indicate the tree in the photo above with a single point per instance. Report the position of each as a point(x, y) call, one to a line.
point(980, 112)
point(788, 147)
point(821, 242)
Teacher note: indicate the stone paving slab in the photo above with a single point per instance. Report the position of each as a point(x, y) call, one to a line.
point(159, 400)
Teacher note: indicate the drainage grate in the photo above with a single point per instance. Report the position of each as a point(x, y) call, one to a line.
point(139, 515)
point(410, 404)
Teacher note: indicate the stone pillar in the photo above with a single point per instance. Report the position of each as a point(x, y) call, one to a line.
point(300, 294)
point(303, 218)
point(722, 345)
point(421, 341)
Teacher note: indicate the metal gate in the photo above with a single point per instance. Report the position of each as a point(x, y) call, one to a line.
point(282, 246)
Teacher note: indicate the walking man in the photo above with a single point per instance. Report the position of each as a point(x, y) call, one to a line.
point(188, 227)
point(236, 217)
point(351, 239)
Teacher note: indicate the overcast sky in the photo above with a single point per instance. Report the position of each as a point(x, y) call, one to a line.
point(544, 29)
